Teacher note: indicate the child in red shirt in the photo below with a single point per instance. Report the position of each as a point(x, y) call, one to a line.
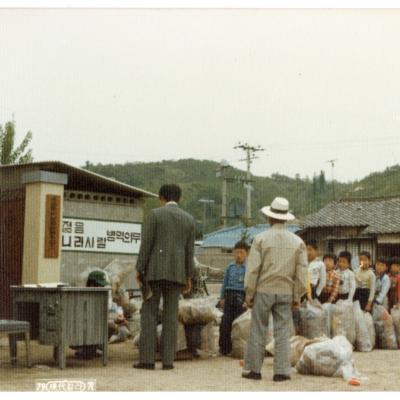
point(394, 292)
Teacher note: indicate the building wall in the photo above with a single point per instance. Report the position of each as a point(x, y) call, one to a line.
point(346, 238)
point(389, 239)
point(214, 257)
point(74, 263)
point(10, 179)
point(12, 212)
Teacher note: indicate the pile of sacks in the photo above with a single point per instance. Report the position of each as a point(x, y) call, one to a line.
point(312, 356)
point(181, 337)
point(241, 331)
point(297, 346)
point(200, 310)
point(384, 328)
point(363, 330)
point(197, 311)
point(322, 356)
point(312, 320)
point(395, 313)
point(329, 357)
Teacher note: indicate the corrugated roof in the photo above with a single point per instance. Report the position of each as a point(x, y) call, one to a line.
point(227, 237)
point(82, 179)
point(380, 215)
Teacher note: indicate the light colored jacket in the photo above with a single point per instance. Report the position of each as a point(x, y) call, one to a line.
point(382, 287)
point(365, 279)
point(277, 264)
point(317, 271)
point(347, 282)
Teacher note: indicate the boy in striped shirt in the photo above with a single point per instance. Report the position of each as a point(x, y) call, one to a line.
point(331, 289)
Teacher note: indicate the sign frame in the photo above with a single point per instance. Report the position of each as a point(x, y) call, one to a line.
point(78, 250)
point(52, 231)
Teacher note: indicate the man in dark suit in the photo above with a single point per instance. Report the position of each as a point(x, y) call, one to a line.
point(164, 268)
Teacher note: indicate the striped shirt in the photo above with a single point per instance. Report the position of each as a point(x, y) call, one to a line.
point(332, 285)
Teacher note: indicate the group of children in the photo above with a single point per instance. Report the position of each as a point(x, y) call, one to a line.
point(329, 280)
point(332, 279)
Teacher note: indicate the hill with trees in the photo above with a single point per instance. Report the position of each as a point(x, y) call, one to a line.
point(198, 180)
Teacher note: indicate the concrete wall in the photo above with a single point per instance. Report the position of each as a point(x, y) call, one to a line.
point(74, 263)
point(35, 267)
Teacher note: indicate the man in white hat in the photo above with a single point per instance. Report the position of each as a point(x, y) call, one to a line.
point(275, 279)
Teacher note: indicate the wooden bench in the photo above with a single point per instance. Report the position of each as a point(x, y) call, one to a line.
point(14, 328)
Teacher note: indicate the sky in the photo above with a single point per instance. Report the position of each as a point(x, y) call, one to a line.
point(116, 86)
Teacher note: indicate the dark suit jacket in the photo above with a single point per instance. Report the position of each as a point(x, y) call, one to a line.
point(167, 246)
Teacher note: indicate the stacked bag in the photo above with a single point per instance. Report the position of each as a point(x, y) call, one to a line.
point(312, 320)
point(241, 333)
point(384, 328)
point(362, 330)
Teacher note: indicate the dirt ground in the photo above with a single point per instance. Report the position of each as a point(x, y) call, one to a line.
point(206, 374)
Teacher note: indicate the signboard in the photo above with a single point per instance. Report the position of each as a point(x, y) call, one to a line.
point(52, 226)
point(100, 236)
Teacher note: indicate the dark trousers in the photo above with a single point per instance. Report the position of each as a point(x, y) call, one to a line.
point(313, 291)
point(362, 295)
point(313, 294)
point(296, 321)
point(233, 307)
point(170, 292)
point(324, 297)
point(193, 337)
point(343, 296)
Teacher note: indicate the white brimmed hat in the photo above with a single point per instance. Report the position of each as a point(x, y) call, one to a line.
point(279, 209)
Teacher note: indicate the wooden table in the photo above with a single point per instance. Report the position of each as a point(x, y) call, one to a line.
point(64, 316)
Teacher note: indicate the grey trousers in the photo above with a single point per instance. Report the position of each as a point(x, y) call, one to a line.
point(281, 308)
point(170, 292)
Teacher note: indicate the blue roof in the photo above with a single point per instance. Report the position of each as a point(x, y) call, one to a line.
point(227, 237)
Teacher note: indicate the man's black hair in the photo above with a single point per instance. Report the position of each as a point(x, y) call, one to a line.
point(170, 192)
point(383, 260)
point(395, 260)
point(312, 243)
point(366, 254)
point(241, 244)
point(345, 254)
point(330, 255)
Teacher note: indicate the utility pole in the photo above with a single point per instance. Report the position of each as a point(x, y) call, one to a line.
point(205, 202)
point(221, 173)
point(332, 162)
point(250, 156)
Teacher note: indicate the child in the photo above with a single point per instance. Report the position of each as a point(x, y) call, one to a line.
point(232, 295)
point(347, 283)
point(316, 269)
point(365, 282)
point(394, 292)
point(382, 282)
point(330, 291)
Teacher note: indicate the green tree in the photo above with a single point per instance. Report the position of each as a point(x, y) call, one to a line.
point(322, 182)
point(315, 193)
point(9, 154)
